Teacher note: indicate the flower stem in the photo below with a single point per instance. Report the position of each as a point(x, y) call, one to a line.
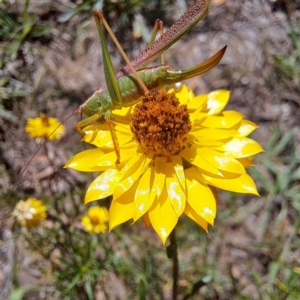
point(174, 257)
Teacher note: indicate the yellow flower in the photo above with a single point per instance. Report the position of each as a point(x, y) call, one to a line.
point(172, 157)
point(44, 127)
point(96, 220)
point(30, 213)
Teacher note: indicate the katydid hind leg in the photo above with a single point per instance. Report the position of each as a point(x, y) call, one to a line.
point(110, 76)
point(158, 27)
point(185, 23)
point(161, 30)
point(88, 121)
point(109, 72)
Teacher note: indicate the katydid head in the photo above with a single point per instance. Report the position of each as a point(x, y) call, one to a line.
point(98, 103)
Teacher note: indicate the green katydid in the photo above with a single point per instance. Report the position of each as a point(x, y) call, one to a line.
point(128, 86)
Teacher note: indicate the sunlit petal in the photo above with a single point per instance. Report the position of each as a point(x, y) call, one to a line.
point(246, 127)
point(122, 209)
point(123, 115)
point(217, 100)
point(204, 142)
point(242, 147)
point(197, 103)
point(103, 139)
point(191, 155)
point(80, 161)
point(195, 217)
point(200, 197)
point(142, 195)
point(227, 120)
point(176, 194)
point(131, 175)
point(103, 186)
point(183, 94)
point(162, 216)
point(221, 161)
point(241, 184)
point(179, 170)
point(160, 175)
point(213, 133)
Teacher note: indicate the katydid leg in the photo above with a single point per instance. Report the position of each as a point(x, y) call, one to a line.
point(113, 137)
point(87, 121)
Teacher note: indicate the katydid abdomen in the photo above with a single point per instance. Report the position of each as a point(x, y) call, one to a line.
point(154, 78)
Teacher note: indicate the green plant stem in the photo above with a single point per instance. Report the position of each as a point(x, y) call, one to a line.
point(173, 246)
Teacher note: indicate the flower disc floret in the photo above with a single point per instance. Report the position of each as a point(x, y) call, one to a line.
point(160, 124)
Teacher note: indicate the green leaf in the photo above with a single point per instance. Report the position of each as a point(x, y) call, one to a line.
point(75, 11)
point(273, 270)
point(40, 30)
point(142, 290)
point(18, 294)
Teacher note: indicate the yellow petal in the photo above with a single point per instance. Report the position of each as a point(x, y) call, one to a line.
point(99, 138)
point(142, 195)
point(122, 209)
point(162, 216)
point(103, 186)
point(184, 94)
point(217, 100)
point(96, 127)
point(157, 184)
point(123, 129)
point(95, 160)
point(241, 184)
point(204, 142)
point(226, 120)
point(103, 139)
point(200, 197)
point(160, 175)
point(123, 115)
point(191, 155)
point(213, 133)
point(81, 161)
point(175, 192)
point(178, 167)
point(246, 127)
point(197, 103)
point(221, 161)
point(131, 173)
point(195, 217)
point(241, 147)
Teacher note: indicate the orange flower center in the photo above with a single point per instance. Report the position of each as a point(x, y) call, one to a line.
point(45, 120)
point(160, 124)
point(94, 220)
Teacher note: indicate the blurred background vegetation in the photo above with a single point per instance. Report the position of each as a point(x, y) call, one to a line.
point(51, 62)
